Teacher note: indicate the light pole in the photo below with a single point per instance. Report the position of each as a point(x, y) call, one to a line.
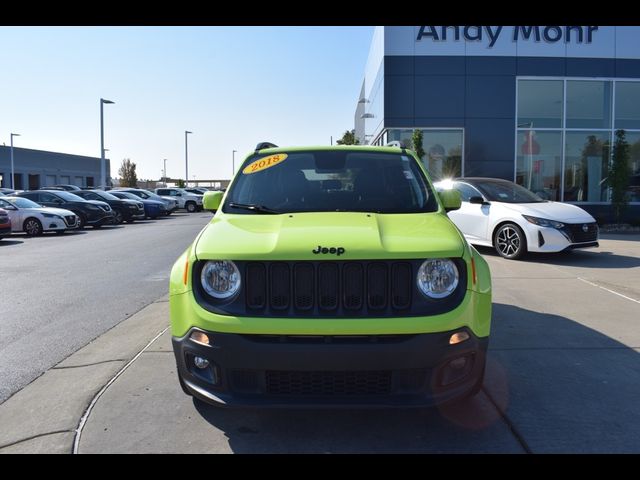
point(233, 163)
point(103, 167)
point(13, 175)
point(186, 159)
point(165, 172)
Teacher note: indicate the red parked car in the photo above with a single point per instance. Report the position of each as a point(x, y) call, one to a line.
point(5, 223)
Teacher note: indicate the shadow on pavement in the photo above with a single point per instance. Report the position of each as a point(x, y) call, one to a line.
point(564, 387)
point(8, 243)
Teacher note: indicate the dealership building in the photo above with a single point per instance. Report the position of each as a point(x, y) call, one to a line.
point(38, 168)
point(539, 105)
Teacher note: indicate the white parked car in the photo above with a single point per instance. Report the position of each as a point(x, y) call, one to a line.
point(501, 214)
point(34, 219)
point(191, 202)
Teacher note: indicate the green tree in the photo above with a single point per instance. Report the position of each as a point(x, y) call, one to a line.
point(127, 172)
point(349, 138)
point(180, 183)
point(619, 175)
point(416, 140)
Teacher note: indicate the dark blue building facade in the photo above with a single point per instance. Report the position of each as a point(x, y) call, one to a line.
point(537, 105)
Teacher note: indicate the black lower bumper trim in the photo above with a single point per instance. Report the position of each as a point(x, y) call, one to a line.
point(409, 370)
point(582, 245)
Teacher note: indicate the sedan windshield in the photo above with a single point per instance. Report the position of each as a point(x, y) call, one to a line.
point(21, 202)
point(506, 192)
point(330, 181)
point(69, 197)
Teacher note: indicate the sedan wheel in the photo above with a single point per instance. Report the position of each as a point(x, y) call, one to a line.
point(118, 219)
point(33, 227)
point(191, 207)
point(510, 241)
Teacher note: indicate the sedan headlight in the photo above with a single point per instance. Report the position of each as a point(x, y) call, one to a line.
point(543, 222)
point(50, 215)
point(437, 277)
point(220, 279)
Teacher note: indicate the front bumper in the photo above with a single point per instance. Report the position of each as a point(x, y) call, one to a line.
point(551, 240)
point(5, 229)
point(320, 371)
point(102, 220)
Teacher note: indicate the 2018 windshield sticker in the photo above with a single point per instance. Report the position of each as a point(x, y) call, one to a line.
point(264, 163)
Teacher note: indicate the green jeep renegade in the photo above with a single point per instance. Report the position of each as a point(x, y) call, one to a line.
point(330, 276)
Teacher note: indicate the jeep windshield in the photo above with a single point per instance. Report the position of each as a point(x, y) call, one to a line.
point(330, 181)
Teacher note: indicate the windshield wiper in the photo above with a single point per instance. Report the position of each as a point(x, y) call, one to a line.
point(253, 207)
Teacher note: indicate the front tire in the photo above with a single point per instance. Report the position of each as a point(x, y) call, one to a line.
point(191, 207)
point(118, 217)
point(32, 227)
point(510, 241)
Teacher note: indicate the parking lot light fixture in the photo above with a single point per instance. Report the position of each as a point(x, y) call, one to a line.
point(13, 174)
point(103, 169)
point(233, 163)
point(186, 159)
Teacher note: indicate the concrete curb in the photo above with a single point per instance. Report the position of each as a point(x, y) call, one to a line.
point(44, 416)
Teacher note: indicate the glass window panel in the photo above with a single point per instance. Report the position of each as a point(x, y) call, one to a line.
point(633, 138)
point(540, 103)
point(586, 166)
point(539, 162)
point(588, 104)
point(628, 105)
point(443, 150)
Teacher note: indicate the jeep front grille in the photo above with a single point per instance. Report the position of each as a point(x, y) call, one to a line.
point(374, 288)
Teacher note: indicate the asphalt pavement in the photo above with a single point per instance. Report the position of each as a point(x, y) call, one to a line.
point(61, 292)
point(563, 376)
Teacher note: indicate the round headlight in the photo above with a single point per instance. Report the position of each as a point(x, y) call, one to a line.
point(220, 279)
point(437, 277)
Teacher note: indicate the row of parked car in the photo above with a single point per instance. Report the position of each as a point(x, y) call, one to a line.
point(68, 207)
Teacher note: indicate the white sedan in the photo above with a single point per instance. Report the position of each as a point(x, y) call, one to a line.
point(501, 214)
point(33, 219)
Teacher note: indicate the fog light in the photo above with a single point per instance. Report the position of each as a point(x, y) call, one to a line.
point(200, 337)
point(458, 363)
point(457, 369)
point(200, 362)
point(458, 337)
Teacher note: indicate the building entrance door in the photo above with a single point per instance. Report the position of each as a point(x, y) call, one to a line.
point(34, 182)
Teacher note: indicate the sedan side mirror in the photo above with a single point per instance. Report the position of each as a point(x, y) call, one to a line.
point(478, 201)
point(450, 199)
point(211, 200)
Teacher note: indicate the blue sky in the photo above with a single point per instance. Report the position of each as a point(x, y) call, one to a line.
point(231, 86)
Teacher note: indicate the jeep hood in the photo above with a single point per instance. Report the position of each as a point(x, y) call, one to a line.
point(361, 235)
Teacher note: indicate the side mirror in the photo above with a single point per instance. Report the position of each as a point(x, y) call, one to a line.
point(477, 201)
point(211, 200)
point(178, 194)
point(450, 199)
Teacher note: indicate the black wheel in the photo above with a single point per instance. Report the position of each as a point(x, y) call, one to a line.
point(191, 207)
point(509, 241)
point(118, 218)
point(82, 222)
point(183, 386)
point(32, 227)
